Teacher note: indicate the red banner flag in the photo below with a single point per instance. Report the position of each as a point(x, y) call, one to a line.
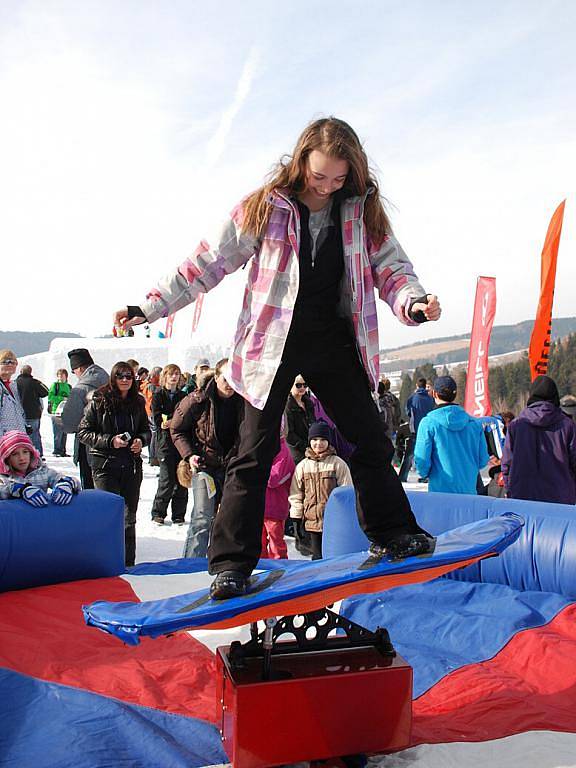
point(169, 324)
point(197, 311)
point(477, 397)
point(542, 331)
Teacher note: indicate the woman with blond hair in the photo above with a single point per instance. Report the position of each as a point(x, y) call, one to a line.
point(12, 416)
point(169, 491)
point(320, 243)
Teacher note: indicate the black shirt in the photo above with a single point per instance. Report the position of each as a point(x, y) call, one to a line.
point(320, 277)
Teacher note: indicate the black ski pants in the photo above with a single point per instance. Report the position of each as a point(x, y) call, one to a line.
point(84, 468)
point(324, 353)
point(126, 482)
point(169, 489)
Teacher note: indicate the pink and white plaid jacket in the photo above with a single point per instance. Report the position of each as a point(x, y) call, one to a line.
point(272, 288)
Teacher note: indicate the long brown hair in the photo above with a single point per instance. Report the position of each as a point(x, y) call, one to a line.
point(111, 390)
point(336, 139)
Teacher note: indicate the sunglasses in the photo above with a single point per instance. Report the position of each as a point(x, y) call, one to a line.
point(300, 384)
point(124, 376)
point(8, 361)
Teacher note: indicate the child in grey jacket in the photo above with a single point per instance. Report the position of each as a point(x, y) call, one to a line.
point(24, 476)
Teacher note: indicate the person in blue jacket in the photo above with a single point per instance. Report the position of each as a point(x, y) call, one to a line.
point(450, 445)
point(417, 406)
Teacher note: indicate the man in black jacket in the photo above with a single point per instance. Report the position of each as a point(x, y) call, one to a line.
point(205, 432)
point(31, 392)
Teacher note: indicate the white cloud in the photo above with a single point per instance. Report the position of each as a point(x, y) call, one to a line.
point(217, 143)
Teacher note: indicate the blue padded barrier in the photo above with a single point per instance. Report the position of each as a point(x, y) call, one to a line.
point(543, 559)
point(83, 540)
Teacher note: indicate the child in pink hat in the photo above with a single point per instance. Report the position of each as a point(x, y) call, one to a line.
point(23, 475)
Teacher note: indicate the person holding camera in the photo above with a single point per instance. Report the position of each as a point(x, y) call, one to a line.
point(115, 428)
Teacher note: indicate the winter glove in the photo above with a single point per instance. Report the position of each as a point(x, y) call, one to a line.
point(63, 491)
point(73, 481)
point(418, 316)
point(184, 473)
point(30, 493)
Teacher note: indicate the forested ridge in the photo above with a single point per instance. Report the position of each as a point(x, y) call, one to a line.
point(508, 384)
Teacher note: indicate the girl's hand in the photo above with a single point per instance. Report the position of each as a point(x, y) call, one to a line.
point(120, 319)
point(432, 309)
point(119, 442)
point(136, 446)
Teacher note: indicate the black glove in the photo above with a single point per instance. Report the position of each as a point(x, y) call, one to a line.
point(418, 316)
point(134, 311)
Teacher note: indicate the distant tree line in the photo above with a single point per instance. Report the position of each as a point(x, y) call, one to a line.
point(503, 339)
point(509, 384)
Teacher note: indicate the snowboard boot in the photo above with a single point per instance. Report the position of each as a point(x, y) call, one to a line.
point(228, 584)
point(405, 545)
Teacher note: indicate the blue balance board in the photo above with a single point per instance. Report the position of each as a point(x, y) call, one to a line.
point(304, 586)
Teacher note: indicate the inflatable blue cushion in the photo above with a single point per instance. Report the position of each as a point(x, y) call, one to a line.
point(543, 559)
point(49, 545)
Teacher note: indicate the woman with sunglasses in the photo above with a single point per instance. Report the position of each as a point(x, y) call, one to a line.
point(12, 414)
point(299, 416)
point(320, 244)
point(115, 428)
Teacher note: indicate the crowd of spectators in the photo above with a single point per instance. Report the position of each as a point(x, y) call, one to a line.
point(190, 424)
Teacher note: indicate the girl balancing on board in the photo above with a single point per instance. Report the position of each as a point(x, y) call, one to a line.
point(319, 243)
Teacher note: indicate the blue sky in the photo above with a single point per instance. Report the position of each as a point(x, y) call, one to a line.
point(130, 128)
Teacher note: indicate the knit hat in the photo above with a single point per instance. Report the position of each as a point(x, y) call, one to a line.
point(9, 443)
point(568, 405)
point(544, 388)
point(319, 429)
point(445, 387)
point(80, 358)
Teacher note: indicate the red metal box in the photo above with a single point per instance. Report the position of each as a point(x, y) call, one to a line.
point(329, 704)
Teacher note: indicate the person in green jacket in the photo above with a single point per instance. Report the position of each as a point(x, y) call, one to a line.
point(58, 392)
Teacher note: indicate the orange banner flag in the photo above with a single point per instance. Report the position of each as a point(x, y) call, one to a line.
point(541, 334)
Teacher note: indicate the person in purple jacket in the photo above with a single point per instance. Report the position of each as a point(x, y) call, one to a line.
point(539, 457)
point(320, 246)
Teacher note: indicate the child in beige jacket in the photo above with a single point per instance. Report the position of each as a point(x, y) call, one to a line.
point(315, 478)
